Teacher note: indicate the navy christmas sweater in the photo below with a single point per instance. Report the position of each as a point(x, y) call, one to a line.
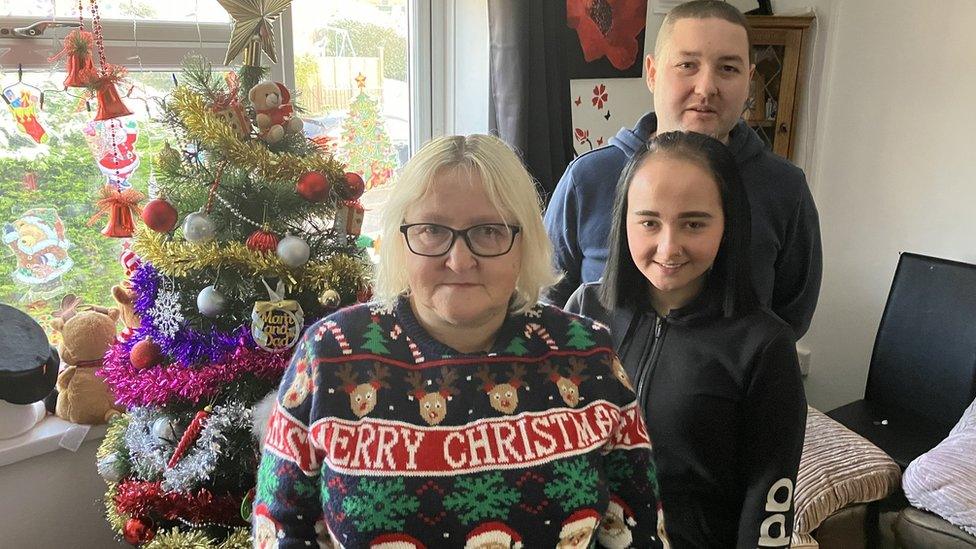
point(384, 437)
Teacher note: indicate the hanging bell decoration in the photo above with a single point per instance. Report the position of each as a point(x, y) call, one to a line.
point(120, 206)
point(79, 65)
point(110, 104)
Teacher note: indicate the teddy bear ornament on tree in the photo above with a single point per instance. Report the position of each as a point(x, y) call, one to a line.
point(274, 114)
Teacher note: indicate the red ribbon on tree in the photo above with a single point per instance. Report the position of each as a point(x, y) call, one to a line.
point(189, 436)
point(119, 206)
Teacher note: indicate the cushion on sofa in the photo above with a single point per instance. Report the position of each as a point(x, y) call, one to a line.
point(943, 480)
point(838, 468)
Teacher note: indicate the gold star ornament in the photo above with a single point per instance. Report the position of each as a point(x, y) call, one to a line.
point(253, 28)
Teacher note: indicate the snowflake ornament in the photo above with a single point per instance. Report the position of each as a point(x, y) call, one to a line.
point(166, 312)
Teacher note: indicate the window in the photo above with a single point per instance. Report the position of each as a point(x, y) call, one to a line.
point(50, 173)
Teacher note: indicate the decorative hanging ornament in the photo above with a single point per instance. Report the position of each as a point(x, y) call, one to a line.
point(314, 187)
point(145, 354)
point(262, 240)
point(109, 467)
point(329, 299)
point(210, 302)
point(119, 205)
point(273, 112)
point(110, 103)
point(78, 45)
point(293, 251)
point(23, 101)
point(189, 436)
point(198, 228)
point(164, 428)
point(160, 216)
point(353, 187)
point(228, 108)
point(139, 530)
point(349, 217)
point(276, 325)
point(253, 29)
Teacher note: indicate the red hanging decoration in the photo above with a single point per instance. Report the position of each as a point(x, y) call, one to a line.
point(139, 530)
point(262, 240)
point(119, 206)
point(313, 186)
point(79, 66)
point(189, 437)
point(160, 216)
point(353, 187)
point(110, 103)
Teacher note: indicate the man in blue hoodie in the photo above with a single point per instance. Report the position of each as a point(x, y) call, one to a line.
point(699, 76)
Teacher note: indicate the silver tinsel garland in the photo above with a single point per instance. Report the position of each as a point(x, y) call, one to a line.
point(150, 454)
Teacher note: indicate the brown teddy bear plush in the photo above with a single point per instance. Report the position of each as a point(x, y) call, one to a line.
point(126, 298)
point(275, 116)
point(86, 336)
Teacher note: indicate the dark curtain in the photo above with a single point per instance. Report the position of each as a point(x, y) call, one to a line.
point(529, 90)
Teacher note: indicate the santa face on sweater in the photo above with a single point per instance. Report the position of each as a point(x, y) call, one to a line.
point(265, 532)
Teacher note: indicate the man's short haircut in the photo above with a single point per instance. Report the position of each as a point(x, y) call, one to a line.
point(701, 9)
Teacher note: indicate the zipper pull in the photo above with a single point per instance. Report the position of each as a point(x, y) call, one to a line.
point(658, 327)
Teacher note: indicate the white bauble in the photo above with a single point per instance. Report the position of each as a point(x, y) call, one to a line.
point(108, 468)
point(293, 251)
point(165, 430)
point(211, 302)
point(198, 228)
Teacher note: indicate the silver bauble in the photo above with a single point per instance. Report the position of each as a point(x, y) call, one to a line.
point(165, 430)
point(210, 302)
point(293, 251)
point(108, 468)
point(198, 228)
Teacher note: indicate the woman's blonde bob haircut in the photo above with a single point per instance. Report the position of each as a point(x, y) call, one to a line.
point(510, 190)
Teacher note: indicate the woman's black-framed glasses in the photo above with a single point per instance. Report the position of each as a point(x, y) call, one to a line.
point(484, 240)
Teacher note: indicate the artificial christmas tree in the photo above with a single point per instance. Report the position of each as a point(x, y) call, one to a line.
point(366, 146)
point(221, 295)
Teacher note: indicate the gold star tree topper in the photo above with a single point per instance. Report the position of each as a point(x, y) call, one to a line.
point(253, 28)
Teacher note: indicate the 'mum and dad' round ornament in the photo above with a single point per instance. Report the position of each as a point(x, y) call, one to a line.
point(276, 325)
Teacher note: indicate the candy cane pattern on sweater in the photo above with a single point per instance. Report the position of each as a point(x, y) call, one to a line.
point(395, 333)
point(539, 330)
point(337, 334)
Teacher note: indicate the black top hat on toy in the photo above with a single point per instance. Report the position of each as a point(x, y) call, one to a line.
point(28, 363)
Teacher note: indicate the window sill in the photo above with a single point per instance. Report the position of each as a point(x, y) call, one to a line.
point(51, 434)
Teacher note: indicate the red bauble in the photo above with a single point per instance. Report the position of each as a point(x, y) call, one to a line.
point(313, 187)
point(138, 530)
point(262, 240)
point(145, 354)
point(160, 216)
point(353, 187)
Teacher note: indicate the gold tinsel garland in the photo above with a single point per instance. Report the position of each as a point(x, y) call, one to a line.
point(203, 125)
point(344, 274)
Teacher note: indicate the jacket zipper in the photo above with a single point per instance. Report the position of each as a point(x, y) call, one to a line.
point(647, 367)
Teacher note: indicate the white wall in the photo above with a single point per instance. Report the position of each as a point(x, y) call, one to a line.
point(892, 169)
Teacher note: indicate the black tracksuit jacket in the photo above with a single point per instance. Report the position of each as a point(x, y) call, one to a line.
point(726, 412)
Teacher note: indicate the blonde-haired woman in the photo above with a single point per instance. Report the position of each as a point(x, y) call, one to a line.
point(456, 411)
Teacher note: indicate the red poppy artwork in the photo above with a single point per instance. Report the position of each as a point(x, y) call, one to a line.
point(611, 29)
point(600, 96)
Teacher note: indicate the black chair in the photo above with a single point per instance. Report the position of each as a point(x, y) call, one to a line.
point(923, 367)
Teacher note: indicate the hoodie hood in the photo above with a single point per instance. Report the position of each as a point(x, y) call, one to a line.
point(743, 142)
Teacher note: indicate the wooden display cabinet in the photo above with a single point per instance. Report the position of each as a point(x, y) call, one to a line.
point(778, 43)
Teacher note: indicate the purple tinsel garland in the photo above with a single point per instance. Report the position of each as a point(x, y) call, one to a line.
point(187, 347)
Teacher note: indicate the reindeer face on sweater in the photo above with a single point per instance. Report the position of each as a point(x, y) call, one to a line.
point(504, 398)
point(569, 391)
point(362, 399)
point(433, 408)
